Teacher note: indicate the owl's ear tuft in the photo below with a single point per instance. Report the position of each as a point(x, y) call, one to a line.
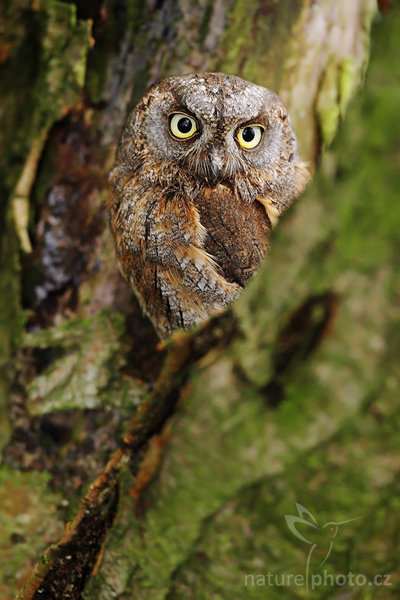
point(282, 114)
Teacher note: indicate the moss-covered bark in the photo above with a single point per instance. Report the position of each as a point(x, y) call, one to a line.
point(255, 433)
point(291, 397)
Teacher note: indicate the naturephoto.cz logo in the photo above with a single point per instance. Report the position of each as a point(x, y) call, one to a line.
point(320, 540)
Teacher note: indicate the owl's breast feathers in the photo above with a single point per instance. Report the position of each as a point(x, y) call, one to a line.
point(183, 269)
point(237, 232)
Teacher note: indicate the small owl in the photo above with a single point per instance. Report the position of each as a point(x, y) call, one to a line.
point(205, 165)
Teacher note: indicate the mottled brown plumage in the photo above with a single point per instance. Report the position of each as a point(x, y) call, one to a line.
point(205, 165)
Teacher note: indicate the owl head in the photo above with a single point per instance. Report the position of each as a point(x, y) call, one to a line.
point(210, 128)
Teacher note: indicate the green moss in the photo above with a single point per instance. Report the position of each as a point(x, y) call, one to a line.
point(17, 75)
point(64, 44)
point(86, 370)
point(252, 42)
point(29, 521)
point(121, 19)
point(136, 11)
point(12, 320)
point(63, 63)
point(328, 108)
point(348, 81)
point(234, 467)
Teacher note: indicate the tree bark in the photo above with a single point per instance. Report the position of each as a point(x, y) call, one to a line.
point(195, 451)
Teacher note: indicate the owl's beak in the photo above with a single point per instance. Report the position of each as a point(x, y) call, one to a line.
point(216, 166)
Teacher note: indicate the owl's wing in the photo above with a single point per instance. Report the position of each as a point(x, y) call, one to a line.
point(192, 292)
point(160, 242)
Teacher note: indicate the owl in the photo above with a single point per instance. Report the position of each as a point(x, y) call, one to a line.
point(205, 165)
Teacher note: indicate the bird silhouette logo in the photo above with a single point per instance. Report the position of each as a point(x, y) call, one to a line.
point(315, 536)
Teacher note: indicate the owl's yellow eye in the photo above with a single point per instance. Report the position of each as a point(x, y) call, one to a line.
point(250, 136)
point(182, 126)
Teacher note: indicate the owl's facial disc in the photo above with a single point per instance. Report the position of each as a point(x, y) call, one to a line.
point(217, 129)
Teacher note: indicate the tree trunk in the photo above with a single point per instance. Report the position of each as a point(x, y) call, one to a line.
point(195, 451)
